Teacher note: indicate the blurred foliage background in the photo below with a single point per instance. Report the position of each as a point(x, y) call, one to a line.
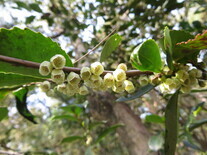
point(79, 25)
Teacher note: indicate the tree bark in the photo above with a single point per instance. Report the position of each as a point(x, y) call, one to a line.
point(134, 134)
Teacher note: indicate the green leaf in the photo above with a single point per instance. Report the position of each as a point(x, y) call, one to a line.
point(71, 139)
point(146, 57)
point(14, 80)
point(69, 117)
point(107, 131)
point(181, 54)
point(111, 45)
point(22, 5)
point(199, 42)
point(168, 47)
point(21, 104)
point(3, 113)
point(92, 125)
point(197, 124)
point(171, 124)
point(74, 109)
point(29, 19)
point(35, 7)
point(154, 119)
point(139, 93)
point(27, 45)
point(156, 142)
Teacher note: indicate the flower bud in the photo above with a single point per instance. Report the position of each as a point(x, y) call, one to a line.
point(118, 89)
point(73, 78)
point(96, 81)
point(109, 80)
point(182, 75)
point(129, 86)
point(185, 89)
point(51, 93)
point(58, 61)
point(83, 90)
point(143, 80)
point(58, 76)
point(167, 71)
point(62, 88)
point(122, 66)
point(199, 73)
point(119, 75)
point(45, 68)
point(97, 68)
point(201, 83)
point(85, 73)
point(45, 86)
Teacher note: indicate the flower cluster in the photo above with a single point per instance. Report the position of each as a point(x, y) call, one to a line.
point(90, 77)
point(183, 78)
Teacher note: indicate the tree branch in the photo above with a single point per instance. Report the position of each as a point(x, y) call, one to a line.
point(93, 49)
point(20, 62)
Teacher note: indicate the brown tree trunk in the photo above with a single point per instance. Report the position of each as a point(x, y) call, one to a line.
point(134, 134)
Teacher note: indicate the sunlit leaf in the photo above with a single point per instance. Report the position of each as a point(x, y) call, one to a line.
point(146, 57)
point(156, 142)
point(154, 119)
point(27, 45)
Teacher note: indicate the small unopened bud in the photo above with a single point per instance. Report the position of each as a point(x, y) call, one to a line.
point(201, 83)
point(58, 76)
point(45, 86)
point(58, 61)
point(73, 78)
point(109, 80)
point(62, 88)
point(85, 73)
point(143, 80)
point(182, 75)
point(83, 90)
point(167, 71)
point(51, 93)
point(185, 89)
point(129, 86)
point(119, 75)
point(45, 68)
point(122, 66)
point(97, 68)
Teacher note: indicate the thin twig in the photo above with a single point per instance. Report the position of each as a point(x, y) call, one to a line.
point(36, 65)
point(93, 49)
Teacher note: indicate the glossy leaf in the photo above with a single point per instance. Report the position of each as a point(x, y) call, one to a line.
point(106, 132)
point(111, 45)
point(156, 142)
point(154, 119)
point(139, 93)
point(171, 124)
point(3, 113)
point(71, 139)
point(146, 57)
point(14, 80)
point(27, 45)
point(21, 104)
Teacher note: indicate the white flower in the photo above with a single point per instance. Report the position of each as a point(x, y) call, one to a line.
point(122, 66)
point(58, 76)
point(85, 73)
point(119, 75)
point(109, 80)
point(45, 68)
point(73, 78)
point(129, 86)
point(45, 86)
point(97, 68)
point(58, 61)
